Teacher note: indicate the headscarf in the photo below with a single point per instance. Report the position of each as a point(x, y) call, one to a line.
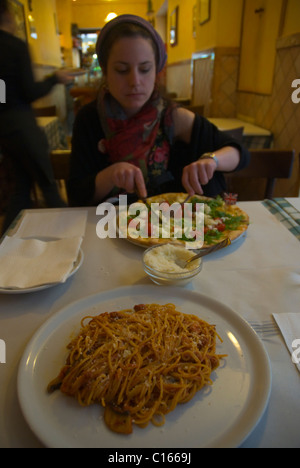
point(161, 49)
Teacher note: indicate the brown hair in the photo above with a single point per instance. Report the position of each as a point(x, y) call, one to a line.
point(120, 31)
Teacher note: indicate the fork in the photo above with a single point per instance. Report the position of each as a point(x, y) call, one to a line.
point(266, 328)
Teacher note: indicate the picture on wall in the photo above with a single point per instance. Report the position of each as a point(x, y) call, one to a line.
point(174, 27)
point(203, 11)
point(18, 11)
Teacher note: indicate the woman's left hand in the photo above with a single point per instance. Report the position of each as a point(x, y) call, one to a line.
point(197, 174)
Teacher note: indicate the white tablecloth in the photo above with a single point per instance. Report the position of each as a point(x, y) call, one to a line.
point(258, 276)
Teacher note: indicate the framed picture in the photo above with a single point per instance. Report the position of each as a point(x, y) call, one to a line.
point(174, 27)
point(18, 11)
point(204, 11)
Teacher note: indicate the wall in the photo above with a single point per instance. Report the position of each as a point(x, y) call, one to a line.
point(220, 36)
point(45, 51)
point(91, 14)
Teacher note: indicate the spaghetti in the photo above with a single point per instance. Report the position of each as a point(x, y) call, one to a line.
point(139, 364)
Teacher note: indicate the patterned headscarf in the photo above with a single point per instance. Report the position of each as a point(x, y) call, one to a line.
point(161, 49)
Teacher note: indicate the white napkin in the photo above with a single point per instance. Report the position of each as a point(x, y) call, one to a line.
point(27, 263)
point(52, 223)
point(289, 324)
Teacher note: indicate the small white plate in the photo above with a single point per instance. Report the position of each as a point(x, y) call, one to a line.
point(75, 268)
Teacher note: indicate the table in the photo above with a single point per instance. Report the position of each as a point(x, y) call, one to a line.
point(54, 131)
point(267, 282)
point(254, 137)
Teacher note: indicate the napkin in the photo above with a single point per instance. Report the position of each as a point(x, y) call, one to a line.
point(52, 223)
point(28, 263)
point(289, 324)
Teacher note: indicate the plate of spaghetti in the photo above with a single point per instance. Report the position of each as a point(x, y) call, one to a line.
point(119, 370)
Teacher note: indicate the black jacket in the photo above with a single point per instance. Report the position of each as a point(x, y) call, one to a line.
point(87, 161)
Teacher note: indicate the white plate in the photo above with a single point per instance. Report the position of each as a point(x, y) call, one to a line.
point(75, 268)
point(221, 415)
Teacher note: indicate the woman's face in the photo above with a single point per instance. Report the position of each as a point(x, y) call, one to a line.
point(131, 72)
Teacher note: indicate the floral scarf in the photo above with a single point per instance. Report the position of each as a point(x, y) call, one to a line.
point(143, 140)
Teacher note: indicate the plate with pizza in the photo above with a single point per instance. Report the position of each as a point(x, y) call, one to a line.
point(221, 221)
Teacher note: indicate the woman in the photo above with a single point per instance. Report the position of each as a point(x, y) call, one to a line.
point(22, 142)
point(133, 140)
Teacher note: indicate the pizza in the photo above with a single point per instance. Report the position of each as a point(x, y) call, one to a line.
point(220, 221)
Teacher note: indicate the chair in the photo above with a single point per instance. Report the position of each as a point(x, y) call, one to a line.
point(196, 109)
point(49, 111)
point(60, 160)
point(236, 134)
point(267, 164)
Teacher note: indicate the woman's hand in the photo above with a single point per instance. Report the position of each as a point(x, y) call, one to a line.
point(128, 177)
point(201, 172)
point(197, 174)
point(123, 175)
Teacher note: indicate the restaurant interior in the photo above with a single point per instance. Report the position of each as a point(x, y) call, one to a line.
point(234, 62)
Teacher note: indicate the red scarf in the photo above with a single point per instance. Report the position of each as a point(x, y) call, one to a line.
point(142, 140)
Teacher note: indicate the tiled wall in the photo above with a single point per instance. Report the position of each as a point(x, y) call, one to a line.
point(277, 112)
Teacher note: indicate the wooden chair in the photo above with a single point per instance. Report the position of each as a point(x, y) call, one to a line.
point(267, 164)
point(60, 160)
point(49, 111)
point(236, 133)
point(196, 109)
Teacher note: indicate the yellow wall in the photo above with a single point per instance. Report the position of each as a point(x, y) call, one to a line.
point(292, 19)
point(186, 43)
point(46, 49)
point(91, 14)
point(222, 30)
point(258, 51)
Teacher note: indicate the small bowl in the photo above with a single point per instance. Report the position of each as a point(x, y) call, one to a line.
point(170, 278)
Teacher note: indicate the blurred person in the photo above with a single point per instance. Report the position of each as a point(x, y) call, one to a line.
point(132, 139)
point(21, 140)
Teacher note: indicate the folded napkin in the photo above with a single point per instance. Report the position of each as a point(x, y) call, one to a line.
point(52, 223)
point(289, 325)
point(28, 263)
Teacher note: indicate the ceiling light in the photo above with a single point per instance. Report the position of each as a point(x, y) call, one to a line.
point(110, 16)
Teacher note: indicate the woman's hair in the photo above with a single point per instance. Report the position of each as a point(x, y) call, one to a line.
point(120, 31)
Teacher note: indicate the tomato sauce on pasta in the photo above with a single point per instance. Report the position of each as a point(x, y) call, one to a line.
point(139, 364)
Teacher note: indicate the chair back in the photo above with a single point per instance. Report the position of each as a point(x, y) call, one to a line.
point(49, 111)
point(196, 109)
point(267, 164)
point(60, 160)
point(235, 133)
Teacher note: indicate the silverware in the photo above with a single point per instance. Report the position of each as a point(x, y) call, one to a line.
point(266, 329)
point(202, 253)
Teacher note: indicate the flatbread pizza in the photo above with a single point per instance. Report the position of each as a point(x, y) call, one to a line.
point(221, 221)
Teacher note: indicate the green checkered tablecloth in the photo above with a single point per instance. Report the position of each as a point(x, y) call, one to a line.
point(286, 213)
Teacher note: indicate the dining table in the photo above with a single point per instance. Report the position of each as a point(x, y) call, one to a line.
point(254, 401)
point(254, 136)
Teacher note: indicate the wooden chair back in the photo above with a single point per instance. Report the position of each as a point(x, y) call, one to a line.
point(60, 160)
point(267, 164)
point(196, 109)
point(49, 111)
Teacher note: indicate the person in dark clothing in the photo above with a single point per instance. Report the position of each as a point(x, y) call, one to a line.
point(21, 140)
point(132, 139)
